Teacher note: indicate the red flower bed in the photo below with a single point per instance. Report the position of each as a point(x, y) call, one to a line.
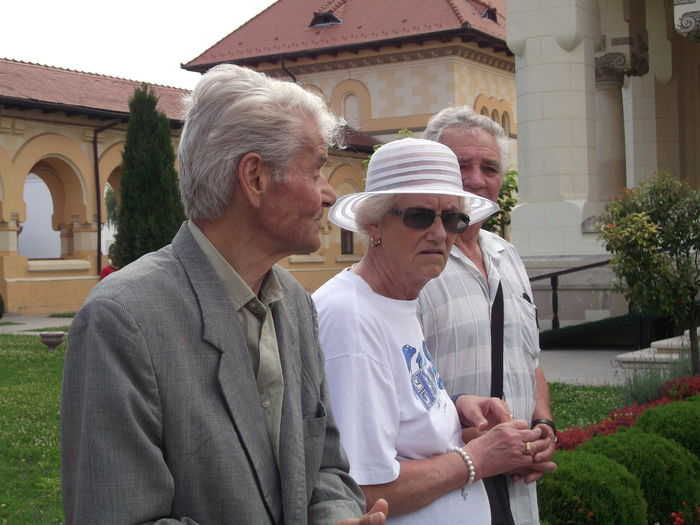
point(686, 516)
point(681, 388)
point(674, 390)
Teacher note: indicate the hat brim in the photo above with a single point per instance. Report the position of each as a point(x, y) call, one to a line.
point(343, 212)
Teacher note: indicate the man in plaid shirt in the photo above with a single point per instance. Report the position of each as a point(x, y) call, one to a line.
point(455, 308)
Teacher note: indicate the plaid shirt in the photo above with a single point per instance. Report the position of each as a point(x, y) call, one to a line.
point(455, 310)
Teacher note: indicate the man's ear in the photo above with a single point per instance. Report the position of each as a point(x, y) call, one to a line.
point(253, 177)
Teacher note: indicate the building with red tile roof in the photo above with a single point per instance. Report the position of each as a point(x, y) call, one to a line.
point(291, 29)
point(65, 131)
point(385, 65)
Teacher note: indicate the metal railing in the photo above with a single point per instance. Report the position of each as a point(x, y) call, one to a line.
point(554, 281)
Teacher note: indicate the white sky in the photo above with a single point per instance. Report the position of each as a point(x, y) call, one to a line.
point(143, 40)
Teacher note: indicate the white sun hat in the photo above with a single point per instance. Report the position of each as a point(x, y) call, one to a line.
point(411, 166)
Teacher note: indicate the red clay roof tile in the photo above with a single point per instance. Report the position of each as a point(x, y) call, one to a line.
point(74, 91)
point(24, 81)
point(283, 28)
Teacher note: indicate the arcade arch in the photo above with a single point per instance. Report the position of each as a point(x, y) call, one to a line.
point(345, 179)
point(351, 99)
point(498, 110)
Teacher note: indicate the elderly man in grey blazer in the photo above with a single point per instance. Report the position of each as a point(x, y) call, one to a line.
point(194, 387)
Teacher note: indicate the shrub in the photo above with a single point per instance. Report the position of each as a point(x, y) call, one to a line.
point(150, 210)
point(645, 385)
point(651, 232)
point(677, 421)
point(667, 472)
point(681, 388)
point(590, 488)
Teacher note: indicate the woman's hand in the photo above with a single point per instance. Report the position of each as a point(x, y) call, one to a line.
point(482, 413)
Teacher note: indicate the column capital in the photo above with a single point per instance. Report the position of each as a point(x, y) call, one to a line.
point(686, 14)
point(610, 67)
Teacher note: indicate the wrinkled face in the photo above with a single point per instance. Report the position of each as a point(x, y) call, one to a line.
point(293, 210)
point(479, 160)
point(413, 257)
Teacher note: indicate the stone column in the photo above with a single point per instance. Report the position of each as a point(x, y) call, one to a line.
point(554, 47)
point(84, 238)
point(8, 236)
point(610, 174)
point(66, 239)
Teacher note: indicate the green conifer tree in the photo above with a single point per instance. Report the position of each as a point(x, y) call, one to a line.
point(151, 211)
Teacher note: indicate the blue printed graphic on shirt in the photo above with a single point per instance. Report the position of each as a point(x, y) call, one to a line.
point(425, 379)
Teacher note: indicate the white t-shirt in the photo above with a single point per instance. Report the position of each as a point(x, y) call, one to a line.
point(387, 396)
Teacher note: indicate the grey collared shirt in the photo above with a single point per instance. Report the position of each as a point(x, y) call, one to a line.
point(255, 315)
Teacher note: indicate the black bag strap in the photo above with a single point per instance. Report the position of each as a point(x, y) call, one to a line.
point(497, 486)
point(497, 344)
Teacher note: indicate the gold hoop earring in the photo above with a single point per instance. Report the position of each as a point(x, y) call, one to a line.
point(374, 242)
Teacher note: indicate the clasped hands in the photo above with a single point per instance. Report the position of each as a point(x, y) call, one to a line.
point(500, 444)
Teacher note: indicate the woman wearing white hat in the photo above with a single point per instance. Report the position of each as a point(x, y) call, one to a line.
point(399, 427)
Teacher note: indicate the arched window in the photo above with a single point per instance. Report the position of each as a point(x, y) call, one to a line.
point(347, 242)
point(485, 111)
point(38, 239)
point(505, 123)
point(495, 117)
point(351, 110)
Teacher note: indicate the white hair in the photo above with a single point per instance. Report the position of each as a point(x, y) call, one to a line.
point(372, 210)
point(464, 117)
point(233, 111)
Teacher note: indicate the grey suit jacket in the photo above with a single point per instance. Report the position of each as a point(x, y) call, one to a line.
point(160, 413)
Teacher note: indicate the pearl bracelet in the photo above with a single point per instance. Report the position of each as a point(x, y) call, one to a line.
point(470, 466)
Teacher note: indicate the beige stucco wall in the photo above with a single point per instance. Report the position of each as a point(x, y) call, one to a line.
point(58, 148)
point(397, 89)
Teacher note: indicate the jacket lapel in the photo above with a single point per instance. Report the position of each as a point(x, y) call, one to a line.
point(292, 462)
point(221, 329)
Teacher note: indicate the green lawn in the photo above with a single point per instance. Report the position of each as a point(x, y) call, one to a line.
point(582, 405)
point(30, 378)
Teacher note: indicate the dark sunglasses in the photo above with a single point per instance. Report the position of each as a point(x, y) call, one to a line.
point(422, 218)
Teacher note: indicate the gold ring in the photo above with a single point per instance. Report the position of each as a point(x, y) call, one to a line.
point(528, 448)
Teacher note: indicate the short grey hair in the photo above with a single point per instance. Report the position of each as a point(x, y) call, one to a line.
point(466, 118)
point(233, 111)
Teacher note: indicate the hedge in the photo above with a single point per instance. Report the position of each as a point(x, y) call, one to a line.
point(668, 473)
point(590, 489)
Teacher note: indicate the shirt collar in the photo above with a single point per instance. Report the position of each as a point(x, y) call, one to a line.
point(236, 288)
point(490, 248)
